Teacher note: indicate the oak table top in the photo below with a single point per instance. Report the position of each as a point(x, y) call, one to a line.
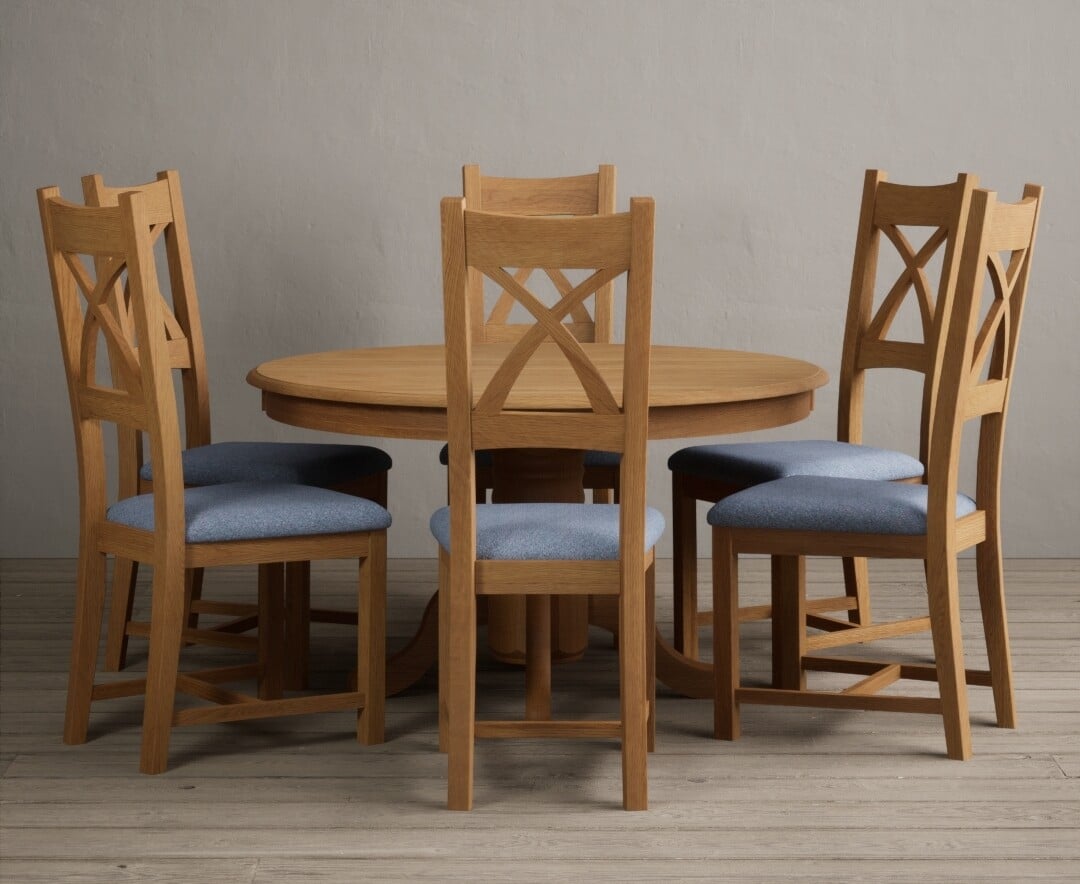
point(401, 391)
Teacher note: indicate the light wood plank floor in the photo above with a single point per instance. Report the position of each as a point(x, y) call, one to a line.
point(820, 795)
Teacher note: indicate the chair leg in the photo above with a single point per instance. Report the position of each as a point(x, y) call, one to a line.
point(193, 586)
point(444, 636)
point(684, 566)
point(538, 657)
point(788, 622)
point(461, 702)
point(650, 650)
point(991, 580)
point(89, 609)
point(373, 487)
point(857, 586)
point(125, 572)
point(725, 636)
point(632, 687)
point(271, 630)
point(297, 624)
point(485, 481)
point(943, 591)
point(371, 642)
point(167, 617)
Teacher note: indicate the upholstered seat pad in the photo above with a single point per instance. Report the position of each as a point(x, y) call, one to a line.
point(748, 463)
point(258, 511)
point(303, 463)
point(553, 531)
point(821, 503)
point(592, 458)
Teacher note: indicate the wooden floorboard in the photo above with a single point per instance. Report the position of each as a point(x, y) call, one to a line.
point(813, 794)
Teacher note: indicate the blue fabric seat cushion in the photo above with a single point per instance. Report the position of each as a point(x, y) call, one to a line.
point(551, 531)
point(611, 459)
point(592, 458)
point(822, 503)
point(748, 463)
point(258, 511)
point(303, 463)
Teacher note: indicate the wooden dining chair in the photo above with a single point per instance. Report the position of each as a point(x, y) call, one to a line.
point(533, 549)
point(711, 472)
point(820, 515)
point(590, 194)
point(174, 529)
point(353, 469)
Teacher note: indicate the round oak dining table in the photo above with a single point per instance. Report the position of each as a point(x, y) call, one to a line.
point(400, 392)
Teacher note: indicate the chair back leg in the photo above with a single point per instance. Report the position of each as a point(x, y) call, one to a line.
point(991, 580)
point(125, 573)
point(461, 719)
point(634, 692)
point(444, 639)
point(538, 657)
point(857, 587)
point(650, 650)
point(943, 590)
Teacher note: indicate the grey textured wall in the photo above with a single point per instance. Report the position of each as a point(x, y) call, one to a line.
point(316, 138)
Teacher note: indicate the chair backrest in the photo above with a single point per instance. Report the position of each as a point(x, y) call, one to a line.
point(183, 324)
point(886, 208)
point(119, 239)
point(980, 349)
point(494, 244)
point(592, 194)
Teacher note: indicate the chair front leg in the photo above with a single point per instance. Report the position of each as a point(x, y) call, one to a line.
point(684, 566)
point(86, 632)
point(271, 630)
point(297, 624)
point(725, 635)
point(167, 617)
point(788, 622)
point(371, 642)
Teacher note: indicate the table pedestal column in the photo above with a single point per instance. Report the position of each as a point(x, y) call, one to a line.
point(532, 475)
